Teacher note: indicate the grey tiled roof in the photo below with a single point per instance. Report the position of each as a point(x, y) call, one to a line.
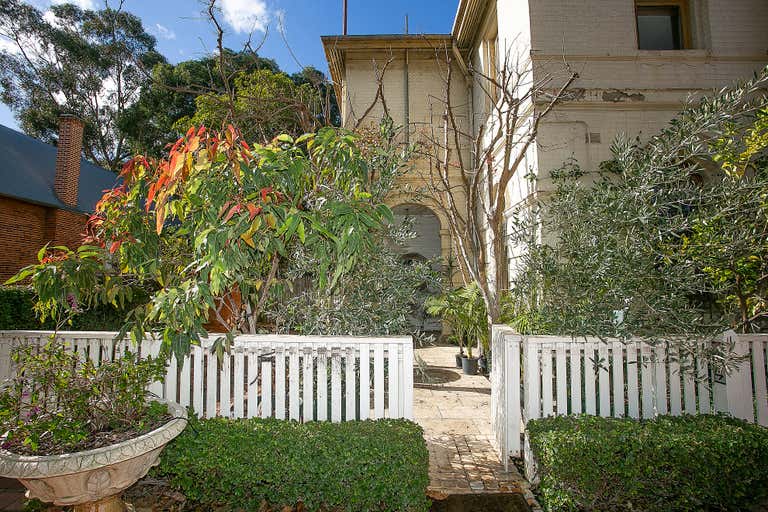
point(28, 168)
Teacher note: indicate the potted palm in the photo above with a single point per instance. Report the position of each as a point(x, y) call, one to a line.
point(475, 324)
point(463, 309)
point(448, 307)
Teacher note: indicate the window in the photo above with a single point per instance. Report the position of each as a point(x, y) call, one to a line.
point(662, 25)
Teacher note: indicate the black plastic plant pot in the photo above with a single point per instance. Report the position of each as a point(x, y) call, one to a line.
point(482, 363)
point(459, 357)
point(469, 365)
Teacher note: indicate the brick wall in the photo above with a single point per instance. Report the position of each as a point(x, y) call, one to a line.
point(26, 227)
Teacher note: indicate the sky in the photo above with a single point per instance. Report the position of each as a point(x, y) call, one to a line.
point(183, 33)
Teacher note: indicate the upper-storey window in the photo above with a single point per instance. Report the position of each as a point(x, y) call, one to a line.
point(662, 24)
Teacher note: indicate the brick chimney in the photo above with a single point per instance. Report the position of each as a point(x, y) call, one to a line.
point(68, 154)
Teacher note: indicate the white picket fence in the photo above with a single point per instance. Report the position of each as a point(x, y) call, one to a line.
point(541, 376)
point(302, 378)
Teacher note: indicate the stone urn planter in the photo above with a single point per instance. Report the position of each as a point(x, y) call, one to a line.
point(93, 480)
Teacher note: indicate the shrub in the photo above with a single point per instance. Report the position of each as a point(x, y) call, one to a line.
point(352, 466)
point(685, 463)
point(17, 312)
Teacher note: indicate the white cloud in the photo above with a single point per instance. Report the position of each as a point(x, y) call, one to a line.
point(6, 45)
point(164, 32)
point(83, 4)
point(246, 15)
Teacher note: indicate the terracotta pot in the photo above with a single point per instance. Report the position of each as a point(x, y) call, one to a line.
point(92, 480)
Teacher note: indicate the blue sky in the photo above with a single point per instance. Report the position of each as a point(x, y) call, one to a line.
point(183, 33)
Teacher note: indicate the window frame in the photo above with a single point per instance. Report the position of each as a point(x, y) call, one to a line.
point(684, 13)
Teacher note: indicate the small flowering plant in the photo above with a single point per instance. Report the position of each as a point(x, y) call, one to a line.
point(58, 402)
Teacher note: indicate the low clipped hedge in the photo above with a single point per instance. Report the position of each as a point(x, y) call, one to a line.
point(684, 463)
point(259, 464)
point(17, 313)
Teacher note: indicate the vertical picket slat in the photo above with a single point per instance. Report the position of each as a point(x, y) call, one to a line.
point(5, 359)
point(675, 391)
point(253, 384)
point(575, 378)
point(171, 379)
point(94, 353)
point(225, 400)
point(365, 383)
point(239, 383)
point(153, 349)
point(758, 369)
point(562, 378)
point(293, 383)
point(661, 379)
point(617, 353)
point(590, 398)
point(322, 384)
point(266, 389)
point(546, 381)
point(350, 384)
point(393, 409)
point(378, 381)
point(211, 383)
point(308, 391)
point(705, 398)
point(633, 394)
point(739, 383)
point(406, 387)
point(647, 370)
point(335, 386)
point(532, 372)
point(604, 380)
point(689, 392)
point(197, 382)
point(280, 383)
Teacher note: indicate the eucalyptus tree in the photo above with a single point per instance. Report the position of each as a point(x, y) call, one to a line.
point(74, 61)
point(208, 227)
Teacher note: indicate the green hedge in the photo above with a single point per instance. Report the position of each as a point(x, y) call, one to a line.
point(686, 463)
point(352, 466)
point(17, 312)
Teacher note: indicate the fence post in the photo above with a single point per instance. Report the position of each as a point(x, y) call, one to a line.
point(408, 379)
point(506, 405)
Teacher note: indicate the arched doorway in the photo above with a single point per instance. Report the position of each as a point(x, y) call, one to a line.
point(426, 245)
point(426, 225)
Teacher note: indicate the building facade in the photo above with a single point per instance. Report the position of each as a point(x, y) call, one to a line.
point(637, 63)
point(46, 193)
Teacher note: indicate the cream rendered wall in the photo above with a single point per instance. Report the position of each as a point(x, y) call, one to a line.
point(426, 85)
point(625, 90)
point(620, 90)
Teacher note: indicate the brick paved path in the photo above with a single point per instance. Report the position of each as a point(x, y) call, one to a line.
point(454, 410)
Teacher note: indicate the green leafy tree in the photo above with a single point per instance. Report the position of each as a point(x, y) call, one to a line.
point(88, 63)
point(153, 120)
point(265, 102)
point(209, 227)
